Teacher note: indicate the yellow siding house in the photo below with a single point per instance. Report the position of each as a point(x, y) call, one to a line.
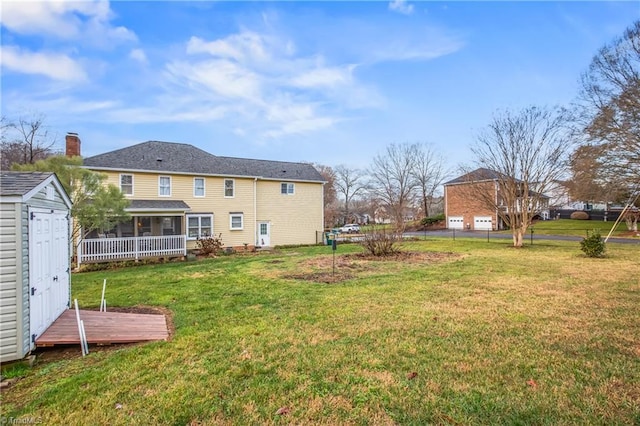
point(182, 192)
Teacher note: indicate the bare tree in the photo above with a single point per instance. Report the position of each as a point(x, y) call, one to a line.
point(349, 184)
point(590, 179)
point(609, 109)
point(429, 173)
point(330, 195)
point(393, 181)
point(525, 152)
point(25, 141)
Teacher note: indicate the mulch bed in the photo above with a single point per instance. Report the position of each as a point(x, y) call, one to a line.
point(347, 266)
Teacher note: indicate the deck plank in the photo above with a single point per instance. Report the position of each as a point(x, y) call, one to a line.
point(105, 328)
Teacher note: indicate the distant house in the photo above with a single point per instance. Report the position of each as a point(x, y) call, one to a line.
point(180, 193)
point(466, 206)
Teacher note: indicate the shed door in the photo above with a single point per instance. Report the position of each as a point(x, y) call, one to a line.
point(48, 268)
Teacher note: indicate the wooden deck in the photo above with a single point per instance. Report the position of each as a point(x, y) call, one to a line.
point(105, 328)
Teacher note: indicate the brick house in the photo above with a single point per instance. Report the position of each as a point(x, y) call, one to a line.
point(473, 202)
point(464, 208)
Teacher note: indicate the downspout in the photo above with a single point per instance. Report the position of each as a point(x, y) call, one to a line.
point(322, 221)
point(255, 211)
point(495, 184)
point(446, 207)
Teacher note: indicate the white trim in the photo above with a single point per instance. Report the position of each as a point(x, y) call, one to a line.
point(231, 216)
point(224, 188)
point(159, 180)
point(199, 174)
point(120, 184)
point(204, 187)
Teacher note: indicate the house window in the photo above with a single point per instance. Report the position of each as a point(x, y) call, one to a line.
point(126, 184)
point(287, 188)
point(199, 226)
point(229, 188)
point(198, 187)
point(236, 221)
point(164, 186)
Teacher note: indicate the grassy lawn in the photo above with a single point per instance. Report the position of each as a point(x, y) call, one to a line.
point(488, 335)
point(578, 227)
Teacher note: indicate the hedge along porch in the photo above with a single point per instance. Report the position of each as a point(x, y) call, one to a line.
point(34, 258)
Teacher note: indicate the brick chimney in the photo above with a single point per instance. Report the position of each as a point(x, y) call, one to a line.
point(73, 144)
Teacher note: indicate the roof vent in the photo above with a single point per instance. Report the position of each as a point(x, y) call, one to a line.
point(158, 159)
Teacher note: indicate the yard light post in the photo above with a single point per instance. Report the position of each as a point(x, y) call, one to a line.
point(334, 247)
point(531, 236)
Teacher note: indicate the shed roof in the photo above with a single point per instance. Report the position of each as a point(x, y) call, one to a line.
point(184, 158)
point(20, 183)
point(21, 186)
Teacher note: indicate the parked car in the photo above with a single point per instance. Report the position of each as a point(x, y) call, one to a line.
point(350, 228)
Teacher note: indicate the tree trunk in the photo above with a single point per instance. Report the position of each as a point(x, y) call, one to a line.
point(518, 237)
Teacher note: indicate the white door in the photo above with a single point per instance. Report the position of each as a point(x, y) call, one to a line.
point(264, 234)
point(482, 223)
point(455, 222)
point(60, 262)
point(48, 268)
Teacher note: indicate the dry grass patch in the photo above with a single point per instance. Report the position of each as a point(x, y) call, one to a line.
point(349, 266)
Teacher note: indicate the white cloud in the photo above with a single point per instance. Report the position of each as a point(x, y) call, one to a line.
point(325, 76)
point(53, 65)
point(86, 21)
point(258, 77)
point(222, 77)
point(401, 6)
point(246, 46)
point(139, 56)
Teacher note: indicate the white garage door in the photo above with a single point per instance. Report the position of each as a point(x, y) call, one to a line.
point(48, 268)
point(455, 222)
point(482, 223)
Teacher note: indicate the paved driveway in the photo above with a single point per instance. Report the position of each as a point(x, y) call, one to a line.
point(492, 235)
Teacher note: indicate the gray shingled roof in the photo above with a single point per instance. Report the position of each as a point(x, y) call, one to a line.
point(19, 183)
point(476, 175)
point(184, 158)
point(158, 204)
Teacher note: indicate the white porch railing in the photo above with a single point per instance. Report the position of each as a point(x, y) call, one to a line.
point(130, 248)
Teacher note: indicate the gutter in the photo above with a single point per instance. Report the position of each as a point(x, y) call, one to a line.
point(255, 211)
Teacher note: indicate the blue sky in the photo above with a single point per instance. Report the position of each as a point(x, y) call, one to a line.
point(327, 82)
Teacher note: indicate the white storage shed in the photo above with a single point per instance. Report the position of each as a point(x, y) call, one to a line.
point(35, 272)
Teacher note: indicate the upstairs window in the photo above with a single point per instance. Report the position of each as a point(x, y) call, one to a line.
point(126, 184)
point(229, 188)
point(198, 187)
point(287, 188)
point(164, 186)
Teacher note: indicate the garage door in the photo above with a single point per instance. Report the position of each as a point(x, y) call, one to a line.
point(455, 222)
point(48, 268)
point(482, 223)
